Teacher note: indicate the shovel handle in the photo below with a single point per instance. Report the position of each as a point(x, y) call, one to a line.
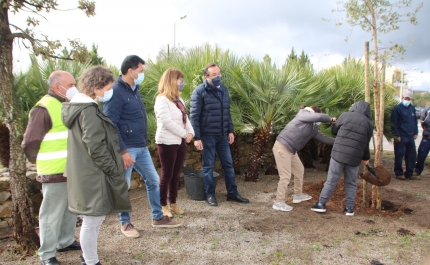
point(371, 170)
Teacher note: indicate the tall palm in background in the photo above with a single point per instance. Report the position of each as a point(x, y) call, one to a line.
point(191, 62)
point(34, 83)
point(265, 94)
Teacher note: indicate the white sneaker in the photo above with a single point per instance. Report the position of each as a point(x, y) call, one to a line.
point(282, 206)
point(301, 198)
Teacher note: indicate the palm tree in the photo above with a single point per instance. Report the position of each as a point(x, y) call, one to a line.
point(265, 94)
point(191, 62)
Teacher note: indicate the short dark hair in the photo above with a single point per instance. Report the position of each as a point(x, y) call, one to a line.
point(131, 61)
point(316, 109)
point(209, 66)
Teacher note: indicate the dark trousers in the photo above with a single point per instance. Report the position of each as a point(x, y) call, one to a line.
point(172, 158)
point(405, 148)
point(423, 151)
point(217, 144)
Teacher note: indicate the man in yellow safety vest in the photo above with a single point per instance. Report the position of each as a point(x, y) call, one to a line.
point(45, 144)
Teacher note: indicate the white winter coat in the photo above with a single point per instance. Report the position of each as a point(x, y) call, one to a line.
point(170, 127)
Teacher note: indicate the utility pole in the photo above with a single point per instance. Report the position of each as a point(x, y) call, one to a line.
point(174, 31)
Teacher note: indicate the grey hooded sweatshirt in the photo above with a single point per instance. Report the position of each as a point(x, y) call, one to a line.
point(353, 131)
point(301, 129)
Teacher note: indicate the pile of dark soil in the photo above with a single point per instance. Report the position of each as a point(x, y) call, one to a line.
point(337, 200)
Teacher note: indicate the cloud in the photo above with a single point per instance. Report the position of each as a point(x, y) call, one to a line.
point(245, 27)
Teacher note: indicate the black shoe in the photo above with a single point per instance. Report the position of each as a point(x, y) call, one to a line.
point(51, 261)
point(237, 198)
point(74, 246)
point(319, 208)
point(211, 201)
point(401, 177)
point(349, 211)
point(83, 262)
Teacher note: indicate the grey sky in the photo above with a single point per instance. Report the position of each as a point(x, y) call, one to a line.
point(252, 27)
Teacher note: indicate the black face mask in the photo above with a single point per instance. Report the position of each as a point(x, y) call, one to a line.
point(216, 81)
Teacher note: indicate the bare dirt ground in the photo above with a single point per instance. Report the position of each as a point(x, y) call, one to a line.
point(254, 233)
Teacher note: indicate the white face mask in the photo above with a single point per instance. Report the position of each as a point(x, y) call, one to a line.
point(71, 92)
point(107, 96)
point(139, 79)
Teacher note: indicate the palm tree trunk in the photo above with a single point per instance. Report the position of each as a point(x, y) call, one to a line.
point(22, 212)
point(261, 139)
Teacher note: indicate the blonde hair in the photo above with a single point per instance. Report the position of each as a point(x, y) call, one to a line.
point(95, 77)
point(168, 84)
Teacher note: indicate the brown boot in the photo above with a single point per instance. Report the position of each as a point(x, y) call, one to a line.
point(175, 208)
point(166, 211)
point(166, 222)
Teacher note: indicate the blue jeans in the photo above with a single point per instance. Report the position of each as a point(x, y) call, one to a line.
point(405, 148)
point(423, 151)
point(217, 144)
point(145, 167)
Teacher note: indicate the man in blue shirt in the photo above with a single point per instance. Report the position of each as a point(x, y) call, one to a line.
point(405, 129)
point(127, 111)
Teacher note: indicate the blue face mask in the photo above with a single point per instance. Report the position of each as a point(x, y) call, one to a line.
point(139, 79)
point(318, 123)
point(181, 86)
point(107, 96)
point(406, 103)
point(216, 81)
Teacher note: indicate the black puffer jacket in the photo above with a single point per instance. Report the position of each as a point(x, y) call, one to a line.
point(210, 114)
point(353, 132)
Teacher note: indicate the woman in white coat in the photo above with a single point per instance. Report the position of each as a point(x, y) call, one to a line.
point(174, 132)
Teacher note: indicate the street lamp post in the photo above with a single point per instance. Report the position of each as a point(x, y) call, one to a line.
point(403, 80)
point(174, 31)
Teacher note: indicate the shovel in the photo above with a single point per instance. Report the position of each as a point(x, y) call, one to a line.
point(371, 170)
point(382, 179)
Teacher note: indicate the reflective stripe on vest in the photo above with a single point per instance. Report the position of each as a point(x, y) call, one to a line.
point(52, 155)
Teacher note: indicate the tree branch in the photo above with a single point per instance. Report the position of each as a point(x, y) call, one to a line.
point(34, 12)
point(34, 43)
point(30, 4)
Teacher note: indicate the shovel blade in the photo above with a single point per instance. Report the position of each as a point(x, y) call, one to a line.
point(371, 170)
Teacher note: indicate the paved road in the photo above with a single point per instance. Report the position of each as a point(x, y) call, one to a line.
point(387, 146)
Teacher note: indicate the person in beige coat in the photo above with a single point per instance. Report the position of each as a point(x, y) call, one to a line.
point(174, 132)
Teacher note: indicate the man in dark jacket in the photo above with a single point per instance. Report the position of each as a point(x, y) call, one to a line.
point(45, 144)
point(405, 128)
point(213, 127)
point(424, 147)
point(128, 113)
point(353, 131)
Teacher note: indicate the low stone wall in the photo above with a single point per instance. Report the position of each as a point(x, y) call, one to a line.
point(194, 157)
point(34, 188)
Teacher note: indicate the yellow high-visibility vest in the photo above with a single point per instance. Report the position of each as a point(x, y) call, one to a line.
point(52, 155)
